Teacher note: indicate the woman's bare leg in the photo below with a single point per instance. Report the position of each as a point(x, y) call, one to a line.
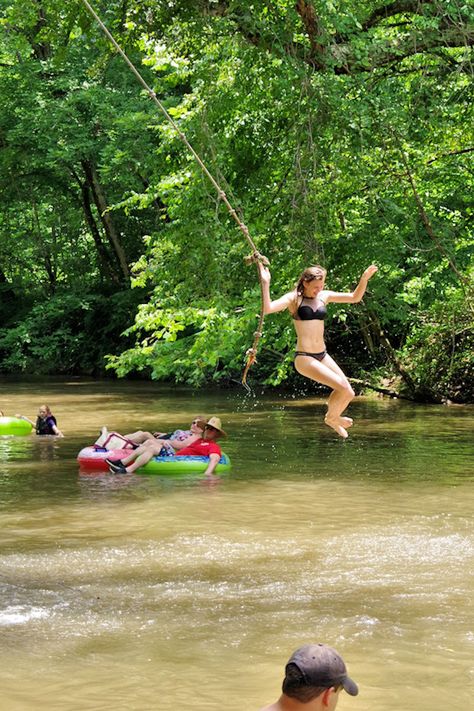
point(139, 437)
point(328, 373)
point(336, 406)
point(145, 447)
point(141, 460)
point(134, 453)
point(142, 455)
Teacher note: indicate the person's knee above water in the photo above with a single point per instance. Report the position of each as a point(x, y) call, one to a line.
point(45, 424)
point(307, 307)
point(314, 677)
point(204, 446)
point(154, 447)
point(177, 439)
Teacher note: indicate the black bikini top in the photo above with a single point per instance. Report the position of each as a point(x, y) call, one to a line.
point(310, 311)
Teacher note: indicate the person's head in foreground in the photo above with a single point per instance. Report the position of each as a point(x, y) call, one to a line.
point(315, 675)
point(213, 429)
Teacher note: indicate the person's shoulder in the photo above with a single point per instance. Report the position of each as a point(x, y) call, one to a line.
point(290, 296)
point(326, 295)
point(290, 300)
point(286, 298)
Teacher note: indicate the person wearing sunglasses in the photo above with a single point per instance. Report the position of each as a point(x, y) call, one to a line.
point(155, 446)
point(315, 675)
point(307, 306)
point(180, 438)
point(207, 445)
point(204, 446)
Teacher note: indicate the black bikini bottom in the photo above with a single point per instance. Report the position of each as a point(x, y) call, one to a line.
point(318, 356)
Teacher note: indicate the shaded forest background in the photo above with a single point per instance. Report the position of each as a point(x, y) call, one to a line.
point(343, 133)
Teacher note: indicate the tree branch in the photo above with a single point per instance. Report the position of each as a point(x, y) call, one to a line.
point(338, 53)
point(399, 7)
point(426, 220)
point(384, 391)
point(314, 30)
point(450, 153)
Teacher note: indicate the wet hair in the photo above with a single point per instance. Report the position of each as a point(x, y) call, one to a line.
point(295, 686)
point(46, 407)
point(306, 276)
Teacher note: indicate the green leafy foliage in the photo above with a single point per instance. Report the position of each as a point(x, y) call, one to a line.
point(67, 334)
point(341, 131)
point(440, 348)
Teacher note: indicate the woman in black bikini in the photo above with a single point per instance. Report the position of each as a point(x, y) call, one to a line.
point(307, 306)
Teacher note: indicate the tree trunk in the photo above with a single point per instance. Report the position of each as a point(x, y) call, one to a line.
point(105, 217)
point(426, 220)
point(421, 393)
point(157, 202)
point(366, 335)
point(7, 293)
point(104, 257)
point(45, 251)
point(41, 50)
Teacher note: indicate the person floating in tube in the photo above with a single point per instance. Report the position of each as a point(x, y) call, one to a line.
point(205, 446)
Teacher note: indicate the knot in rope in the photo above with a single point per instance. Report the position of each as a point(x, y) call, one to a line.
point(251, 355)
point(255, 258)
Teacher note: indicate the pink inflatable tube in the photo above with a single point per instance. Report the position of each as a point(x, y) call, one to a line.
point(91, 458)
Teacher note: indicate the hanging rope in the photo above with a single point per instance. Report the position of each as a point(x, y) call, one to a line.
point(255, 257)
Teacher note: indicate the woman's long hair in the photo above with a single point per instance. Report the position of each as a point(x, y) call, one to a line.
point(307, 275)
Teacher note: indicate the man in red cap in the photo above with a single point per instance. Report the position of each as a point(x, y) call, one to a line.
point(314, 677)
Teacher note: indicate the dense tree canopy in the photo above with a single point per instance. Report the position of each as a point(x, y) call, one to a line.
point(342, 133)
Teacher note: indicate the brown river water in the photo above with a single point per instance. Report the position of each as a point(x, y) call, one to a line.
point(153, 592)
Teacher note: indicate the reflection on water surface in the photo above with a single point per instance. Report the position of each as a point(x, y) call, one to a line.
point(152, 592)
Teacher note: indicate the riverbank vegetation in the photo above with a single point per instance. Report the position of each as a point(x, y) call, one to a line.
point(341, 131)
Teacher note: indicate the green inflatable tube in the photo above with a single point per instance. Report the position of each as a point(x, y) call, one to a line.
point(14, 426)
point(171, 465)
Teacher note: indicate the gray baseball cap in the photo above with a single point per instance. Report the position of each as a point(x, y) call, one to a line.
point(322, 666)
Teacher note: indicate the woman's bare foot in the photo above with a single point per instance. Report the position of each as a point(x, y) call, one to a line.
point(346, 422)
point(336, 425)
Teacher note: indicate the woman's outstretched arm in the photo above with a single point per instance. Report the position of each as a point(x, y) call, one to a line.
point(27, 419)
point(269, 306)
point(355, 296)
